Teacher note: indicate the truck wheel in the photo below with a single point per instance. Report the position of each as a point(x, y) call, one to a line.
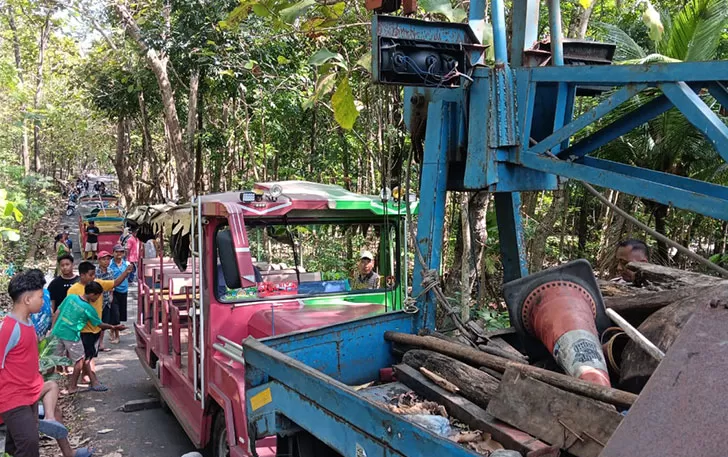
point(218, 441)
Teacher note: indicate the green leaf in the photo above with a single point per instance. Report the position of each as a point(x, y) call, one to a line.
point(283, 61)
point(345, 112)
point(459, 15)
point(324, 85)
point(438, 6)
point(322, 56)
point(365, 61)
point(292, 13)
point(261, 10)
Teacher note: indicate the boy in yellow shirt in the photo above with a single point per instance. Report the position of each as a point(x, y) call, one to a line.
point(90, 333)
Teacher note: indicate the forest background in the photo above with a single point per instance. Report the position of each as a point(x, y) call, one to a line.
point(185, 97)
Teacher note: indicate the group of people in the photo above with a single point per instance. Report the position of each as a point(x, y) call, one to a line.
point(84, 306)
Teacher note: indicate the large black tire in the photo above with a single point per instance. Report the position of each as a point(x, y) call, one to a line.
point(218, 446)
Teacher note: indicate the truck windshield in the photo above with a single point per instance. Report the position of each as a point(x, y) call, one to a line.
point(314, 259)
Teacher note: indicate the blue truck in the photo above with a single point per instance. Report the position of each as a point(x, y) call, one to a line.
point(506, 126)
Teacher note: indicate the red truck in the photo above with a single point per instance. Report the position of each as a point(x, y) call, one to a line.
point(277, 259)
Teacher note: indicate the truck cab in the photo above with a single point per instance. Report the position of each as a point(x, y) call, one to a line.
point(276, 259)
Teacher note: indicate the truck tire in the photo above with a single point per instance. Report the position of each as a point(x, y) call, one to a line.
point(218, 440)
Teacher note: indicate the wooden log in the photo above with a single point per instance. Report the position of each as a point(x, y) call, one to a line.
point(479, 358)
point(468, 412)
point(661, 276)
point(475, 385)
point(664, 286)
point(576, 424)
point(500, 347)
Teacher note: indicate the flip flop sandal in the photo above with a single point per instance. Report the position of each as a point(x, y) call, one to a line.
point(105, 350)
point(99, 388)
point(84, 452)
point(53, 428)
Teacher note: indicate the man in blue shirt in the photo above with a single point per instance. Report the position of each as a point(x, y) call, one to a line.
point(117, 267)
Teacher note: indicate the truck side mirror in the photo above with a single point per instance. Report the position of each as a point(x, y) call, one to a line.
point(228, 260)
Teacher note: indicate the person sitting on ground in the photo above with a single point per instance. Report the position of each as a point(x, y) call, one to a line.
point(58, 287)
point(630, 250)
point(22, 383)
point(366, 277)
point(73, 315)
point(90, 333)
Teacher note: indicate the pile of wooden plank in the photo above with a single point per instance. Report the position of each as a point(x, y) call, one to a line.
point(490, 386)
point(525, 408)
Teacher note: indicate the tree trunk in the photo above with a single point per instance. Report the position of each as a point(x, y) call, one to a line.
point(660, 218)
point(580, 23)
point(467, 258)
point(192, 122)
point(42, 45)
point(158, 63)
point(122, 164)
point(24, 151)
point(544, 230)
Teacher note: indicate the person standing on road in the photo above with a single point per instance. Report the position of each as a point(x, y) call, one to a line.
point(73, 315)
point(132, 253)
point(90, 333)
point(22, 384)
point(110, 314)
point(118, 267)
point(92, 240)
point(69, 241)
point(58, 287)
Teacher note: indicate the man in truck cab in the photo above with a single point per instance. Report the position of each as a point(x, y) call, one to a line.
point(365, 277)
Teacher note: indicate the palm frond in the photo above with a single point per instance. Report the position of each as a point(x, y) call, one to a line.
point(652, 58)
point(694, 33)
point(627, 48)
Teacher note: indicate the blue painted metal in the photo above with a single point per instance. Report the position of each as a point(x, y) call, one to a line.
point(718, 91)
point(476, 10)
point(441, 116)
point(352, 352)
point(512, 128)
point(510, 235)
point(480, 168)
point(335, 413)
point(690, 185)
point(500, 43)
point(699, 114)
point(671, 195)
point(605, 107)
point(615, 75)
point(525, 29)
